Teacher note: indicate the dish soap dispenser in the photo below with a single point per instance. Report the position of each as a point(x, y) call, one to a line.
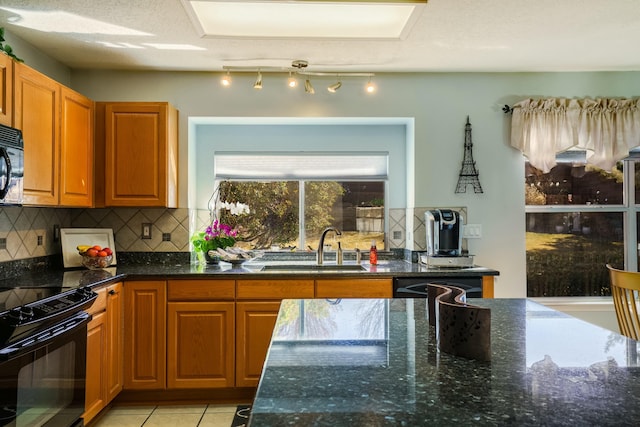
point(373, 253)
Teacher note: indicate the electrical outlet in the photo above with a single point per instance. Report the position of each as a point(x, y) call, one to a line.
point(146, 230)
point(166, 237)
point(56, 233)
point(40, 240)
point(472, 231)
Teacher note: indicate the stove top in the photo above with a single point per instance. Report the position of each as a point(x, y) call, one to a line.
point(26, 308)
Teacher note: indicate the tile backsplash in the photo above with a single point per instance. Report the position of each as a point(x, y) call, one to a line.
point(28, 232)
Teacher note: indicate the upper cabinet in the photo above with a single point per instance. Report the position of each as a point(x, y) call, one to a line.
point(36, 113)
point(140, 148)
point(76, 149)
point(6, 90)
point(57, 127)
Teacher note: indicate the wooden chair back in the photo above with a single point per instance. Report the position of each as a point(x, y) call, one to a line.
point(625, 290)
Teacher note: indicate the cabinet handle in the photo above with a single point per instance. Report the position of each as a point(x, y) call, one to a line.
point(112, 292)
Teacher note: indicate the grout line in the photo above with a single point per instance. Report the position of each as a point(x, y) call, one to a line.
point(149, 416)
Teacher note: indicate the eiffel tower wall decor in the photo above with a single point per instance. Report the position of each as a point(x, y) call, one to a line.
point(468, 172)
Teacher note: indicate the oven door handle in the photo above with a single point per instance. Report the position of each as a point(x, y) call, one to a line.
point(5, 158)
point(43, 338)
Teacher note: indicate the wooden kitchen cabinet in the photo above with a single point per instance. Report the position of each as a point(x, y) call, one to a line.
point(95, 398)
point(76, 149)
point(57, 127)
point(257, 306)
point(354, 288)
point(255, 321)
point(140, 143)
point(115, 339)
point(200, 333)
point(104, 350)
point(36, 113)
point(145, 336)
point(6, 90)
point(200, 344)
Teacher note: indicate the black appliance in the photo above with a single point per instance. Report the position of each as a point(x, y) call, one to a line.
point(416, 287)
point(43, 337)
point(11, 166)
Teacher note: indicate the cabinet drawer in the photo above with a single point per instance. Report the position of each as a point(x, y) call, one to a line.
point(100, 304)
point(274, 289)
point(354, 288)
point(200, 290)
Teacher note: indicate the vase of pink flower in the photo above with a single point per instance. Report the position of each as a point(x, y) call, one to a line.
point(217, 235)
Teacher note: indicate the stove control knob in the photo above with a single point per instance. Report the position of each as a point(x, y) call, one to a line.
point(15, 314)
point(28, 313)
point(21, 314)
point(84, 293)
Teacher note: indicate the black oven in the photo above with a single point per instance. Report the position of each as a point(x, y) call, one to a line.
point(43, 360)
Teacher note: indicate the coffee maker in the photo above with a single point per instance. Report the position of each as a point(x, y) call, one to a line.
point(444, 228)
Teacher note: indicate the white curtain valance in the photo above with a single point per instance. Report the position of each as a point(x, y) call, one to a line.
point(606, 128)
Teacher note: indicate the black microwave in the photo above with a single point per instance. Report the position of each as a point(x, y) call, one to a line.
point(11, 166)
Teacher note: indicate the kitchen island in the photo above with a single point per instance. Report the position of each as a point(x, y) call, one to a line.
point(375, 362)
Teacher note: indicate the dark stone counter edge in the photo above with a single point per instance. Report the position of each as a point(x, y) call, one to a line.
point(83, 277)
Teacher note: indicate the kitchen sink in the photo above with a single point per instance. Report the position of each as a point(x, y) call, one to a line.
point(313, 267)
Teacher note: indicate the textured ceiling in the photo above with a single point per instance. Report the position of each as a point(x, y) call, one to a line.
point(450, 35)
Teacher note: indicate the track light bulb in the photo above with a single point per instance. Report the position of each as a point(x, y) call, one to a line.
point(258, 83)
point(334, 87)
point(292, 82)
point(226, 80)
point(308, 88)
point(370, 87)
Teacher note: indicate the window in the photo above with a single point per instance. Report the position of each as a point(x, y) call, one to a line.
point(293, 197)
point(579, 218)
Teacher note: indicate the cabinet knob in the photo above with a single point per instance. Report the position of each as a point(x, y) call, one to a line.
point(112, 292)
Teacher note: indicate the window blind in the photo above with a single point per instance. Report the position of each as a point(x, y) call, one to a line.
point(301, 165)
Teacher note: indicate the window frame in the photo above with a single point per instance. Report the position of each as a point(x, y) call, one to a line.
point(629, 210)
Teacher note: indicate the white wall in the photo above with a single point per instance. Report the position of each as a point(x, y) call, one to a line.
point(37, 59)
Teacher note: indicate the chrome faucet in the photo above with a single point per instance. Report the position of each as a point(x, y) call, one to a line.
point(320, 253)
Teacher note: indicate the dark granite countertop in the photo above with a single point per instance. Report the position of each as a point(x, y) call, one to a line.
point(84, 277)
point(375, 362)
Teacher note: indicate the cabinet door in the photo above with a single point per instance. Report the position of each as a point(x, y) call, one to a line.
point(140, 154)
point(200, 344)
point(113, 368)
point(36, 111)
point(76, 149)
point(255, 322)
point(6, 90)
point(145, 335)
point(354, 288)
point(96, 357)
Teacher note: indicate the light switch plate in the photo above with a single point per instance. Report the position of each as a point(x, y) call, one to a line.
point(472, 231)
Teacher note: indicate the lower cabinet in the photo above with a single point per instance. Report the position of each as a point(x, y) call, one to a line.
point(145, 335)
point(255, 321)
point(214, 333)
point(104, 350)
point(200, 344)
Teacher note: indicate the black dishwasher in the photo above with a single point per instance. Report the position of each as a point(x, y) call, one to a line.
point(416, 287)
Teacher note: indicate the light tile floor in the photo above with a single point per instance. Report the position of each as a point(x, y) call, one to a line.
point(168, 416)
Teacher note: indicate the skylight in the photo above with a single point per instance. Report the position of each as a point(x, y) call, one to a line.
point(304, 19)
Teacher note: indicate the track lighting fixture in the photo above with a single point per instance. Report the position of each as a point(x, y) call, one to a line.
point(334, 87)
point(226, 80)
point(308, 88)
point(370, 87)
point(258, 83)
point(299, 68)
point(292, 82)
